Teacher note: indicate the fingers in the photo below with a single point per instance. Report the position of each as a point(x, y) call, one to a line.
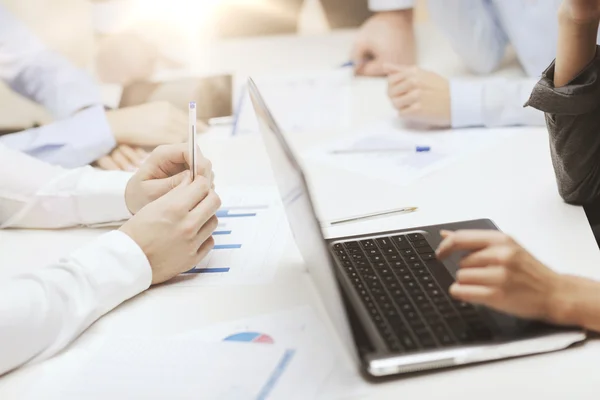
point(107, 163)
point(135, 155)
point(207, 230)
point(489, 276)
point(471, 240)
point(206, 209)
point(171, 159)
point(473, 293)
point(401, 87)
point(194, 193)
point(204, 168)
point(372, 67)
point(493, 255)
point(203, 251)
point(389, 69)
point(407, 100)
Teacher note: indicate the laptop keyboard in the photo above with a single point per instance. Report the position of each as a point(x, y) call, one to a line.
point(393, 277)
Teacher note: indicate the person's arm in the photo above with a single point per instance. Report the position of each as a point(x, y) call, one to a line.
point(34, 194)
point(34, 71)
point(578, 31)
point(569, 94)
point(473, 31)
point(82, 134)
point(70, 142)
point(499, 273)
point(42, 311)
point(386, 37)
point(492, 102)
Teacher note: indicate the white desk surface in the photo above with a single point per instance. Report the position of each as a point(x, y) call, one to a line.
point(513, 184)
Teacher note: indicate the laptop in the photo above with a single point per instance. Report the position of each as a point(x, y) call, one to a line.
point(387, 294)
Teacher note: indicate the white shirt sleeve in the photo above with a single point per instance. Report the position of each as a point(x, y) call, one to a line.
point(41, 312)
point(70, 142)
point(493, 102)
point(473, 30)
point(34, 194)
point(390, 5)
point(38, 73)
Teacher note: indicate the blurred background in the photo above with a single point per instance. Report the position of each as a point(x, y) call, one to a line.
point(131, 45)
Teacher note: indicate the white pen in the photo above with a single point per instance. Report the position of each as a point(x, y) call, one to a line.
point(374, 215)
point(416, 149)
point(192, 139)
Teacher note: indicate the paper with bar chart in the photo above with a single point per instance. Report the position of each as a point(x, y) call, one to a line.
point(249, 240)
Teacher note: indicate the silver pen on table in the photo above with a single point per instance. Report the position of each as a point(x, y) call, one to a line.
point(192, 139)
point(403, 210)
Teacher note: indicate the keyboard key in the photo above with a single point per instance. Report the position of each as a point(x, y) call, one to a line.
point(428, 257)
point(393, 257)
point(411, 259)
point(401, 242)
point(419, 299)
point(393, 285)
point(369, 252)
point(446, 340)
point(425, 250)
point(407, 342)
point(411, 285)
point(367, 244)
point(376, 259)
point(415, 237)
point(420, 243)
point(338, 246)
point(416, 265)
point(407, 252)
point(384, 242)
point(427, 342)
point(389, 250)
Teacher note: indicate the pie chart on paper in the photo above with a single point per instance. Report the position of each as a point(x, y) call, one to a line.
point(250, 337)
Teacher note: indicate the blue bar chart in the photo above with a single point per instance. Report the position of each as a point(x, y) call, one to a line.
point(250, 226)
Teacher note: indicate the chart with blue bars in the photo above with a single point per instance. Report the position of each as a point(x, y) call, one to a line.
point(249, 232)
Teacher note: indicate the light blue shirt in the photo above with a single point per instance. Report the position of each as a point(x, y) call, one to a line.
point(480, 32)
point(80, 134)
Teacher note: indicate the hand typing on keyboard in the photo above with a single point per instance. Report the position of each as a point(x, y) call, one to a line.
point(499, 273)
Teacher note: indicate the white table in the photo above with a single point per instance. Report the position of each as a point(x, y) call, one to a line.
point(513, 184)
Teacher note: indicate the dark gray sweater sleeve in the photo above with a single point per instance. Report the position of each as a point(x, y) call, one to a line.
point(573, 120)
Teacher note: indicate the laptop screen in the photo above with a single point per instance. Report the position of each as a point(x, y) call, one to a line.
point(301, 216)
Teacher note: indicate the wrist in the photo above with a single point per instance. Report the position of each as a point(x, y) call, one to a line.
point(563, 301)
